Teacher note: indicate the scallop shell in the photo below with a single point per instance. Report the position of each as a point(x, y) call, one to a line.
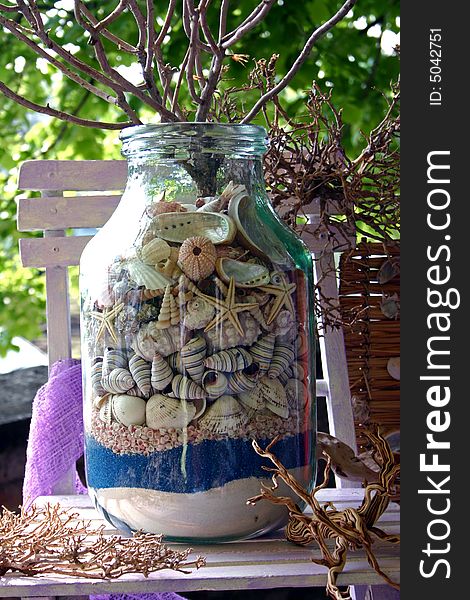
point(296, 393)
point(145, 275)
point(198, 314)
point(141, 372)
point(165, 412)
point(197, 257)
point(242, 381)
point(230, 360)
point(301, 343)
point(161, 373)
point(192, 357)
point(128, 410)
point(225, 416)
point(215, 383)
point(118, 381)
point(245, 274)
point(262, 351)
point(164, 316)
point(176, 227)
point(96, 373)
point(106, 413)
point(114, 359)
point(155, 251)
point(186, 389)
point(283, 357)
point(268, 393)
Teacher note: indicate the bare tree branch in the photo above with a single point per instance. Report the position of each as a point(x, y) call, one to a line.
point(255, 17)
point(223, 19)
point(316, 35)
point(120, 43)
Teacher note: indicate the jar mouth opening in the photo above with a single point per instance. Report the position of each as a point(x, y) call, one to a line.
point(218, 138)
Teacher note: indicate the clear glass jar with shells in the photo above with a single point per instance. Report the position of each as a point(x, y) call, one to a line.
point(197, 337)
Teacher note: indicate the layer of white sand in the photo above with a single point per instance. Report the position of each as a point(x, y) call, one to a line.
point(218, 514)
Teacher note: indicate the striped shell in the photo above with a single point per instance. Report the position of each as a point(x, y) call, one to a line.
point(174, 362)
point(155, 251)
point(197, 257)
point(186, 389)
point(225, 416)
point(242, 381)
point(140, 370)
point(245, 274)
point(128, 410)
point(145, 275)
point(96, 372)
point(164, 412)
point(269, 393)
point(114, 359)
point(176, 227)
point(215, 383)
point(106, 414)
point(230, 360)
point(262, 351)
point(161, 373)
point(118, 381)
point(283, 357)
point(192, 357)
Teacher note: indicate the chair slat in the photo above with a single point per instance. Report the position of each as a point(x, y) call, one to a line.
point(63, 213)
point(79, 175)
point(52, 252)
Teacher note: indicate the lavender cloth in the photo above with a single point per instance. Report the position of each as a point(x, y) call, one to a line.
point(56, 443)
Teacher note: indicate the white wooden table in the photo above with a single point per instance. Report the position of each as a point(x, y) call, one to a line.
point(266, 562)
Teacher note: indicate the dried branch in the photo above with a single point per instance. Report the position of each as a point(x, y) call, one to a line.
point(253, 19)
point(53, 540)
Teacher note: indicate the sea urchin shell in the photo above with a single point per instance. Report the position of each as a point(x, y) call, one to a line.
point(197, 257)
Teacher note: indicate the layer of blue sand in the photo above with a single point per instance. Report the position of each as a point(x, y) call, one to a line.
point(206, 465)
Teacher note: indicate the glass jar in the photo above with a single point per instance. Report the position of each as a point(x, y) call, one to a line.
point(197, 337)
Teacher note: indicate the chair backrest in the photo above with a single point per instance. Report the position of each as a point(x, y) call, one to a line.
point(84, 194)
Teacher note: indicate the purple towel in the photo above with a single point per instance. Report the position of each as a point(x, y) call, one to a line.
point(56, 443)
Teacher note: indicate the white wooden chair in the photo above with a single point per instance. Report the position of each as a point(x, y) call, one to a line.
point(264, 563)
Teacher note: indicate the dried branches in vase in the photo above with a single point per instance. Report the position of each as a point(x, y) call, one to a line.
point(351, 528)
point(52, 540)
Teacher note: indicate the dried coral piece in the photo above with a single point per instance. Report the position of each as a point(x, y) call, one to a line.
point(197, 257)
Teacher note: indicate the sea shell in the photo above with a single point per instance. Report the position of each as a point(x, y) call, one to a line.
point(164, 316)
point(192, 357)
point(262, 351)
point(186, 389)
point(176, 227)
point(393, 367)
point(198, 314)
point(296, 393)
point(126, 322)
point(283, 357)
point(268, 393)
point(118, 381)
point(174, 362)
point(96, 373)
point(161, 373)
point(141, 371)
point(197, 257)
point(134, 391)
point(221, 203)
point(283, 323)
point(150, 340)
point(145, 275)
point(114, 359)
point(174, 311)
point(230, 360)
point(243, 381)
point(301, 343)
point(106, 412)
point(155, 251)
point(165, 412)
point(161, 207)
point(128, 410)
point(225, 416)
point(215, 383)
point(228, 336)
point(245, 274)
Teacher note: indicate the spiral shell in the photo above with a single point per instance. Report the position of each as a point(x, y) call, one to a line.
point(230, 360)
point(197, 257)
point(192, 357)
point(118, 381)
point(242, 381)
point(174, 362)
point(161, 373)
point(186, 389)
point(163, 412)
point(215, 383)
point(225, 416)
point(174, 311)
point(164, 316)
point(106, 412)
point(155, 251)
point(96, 373)
point(262, 351)
point(283, 357)
point(140, 370)
point(128, 410)
point(114, 359)
point(198, 314)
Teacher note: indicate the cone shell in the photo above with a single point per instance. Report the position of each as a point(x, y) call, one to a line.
point(174, 362)
point(161, 373)
point(140, 370)
point(230, 360)
point(198, 314)
point(242, 381)
point(186, 389)
point(155, 251)
point(118, 381)
point(128, 410)
point(145, 275)
point(283, 357)
point(192, 357)
point(163, 412)
point(214, 383)
point(96, 372)
point(197, 257)
point(245, 274)
point(164, 316)
point(262, 351)
point(114, 359)
point(177, 227)
point(225, 416)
